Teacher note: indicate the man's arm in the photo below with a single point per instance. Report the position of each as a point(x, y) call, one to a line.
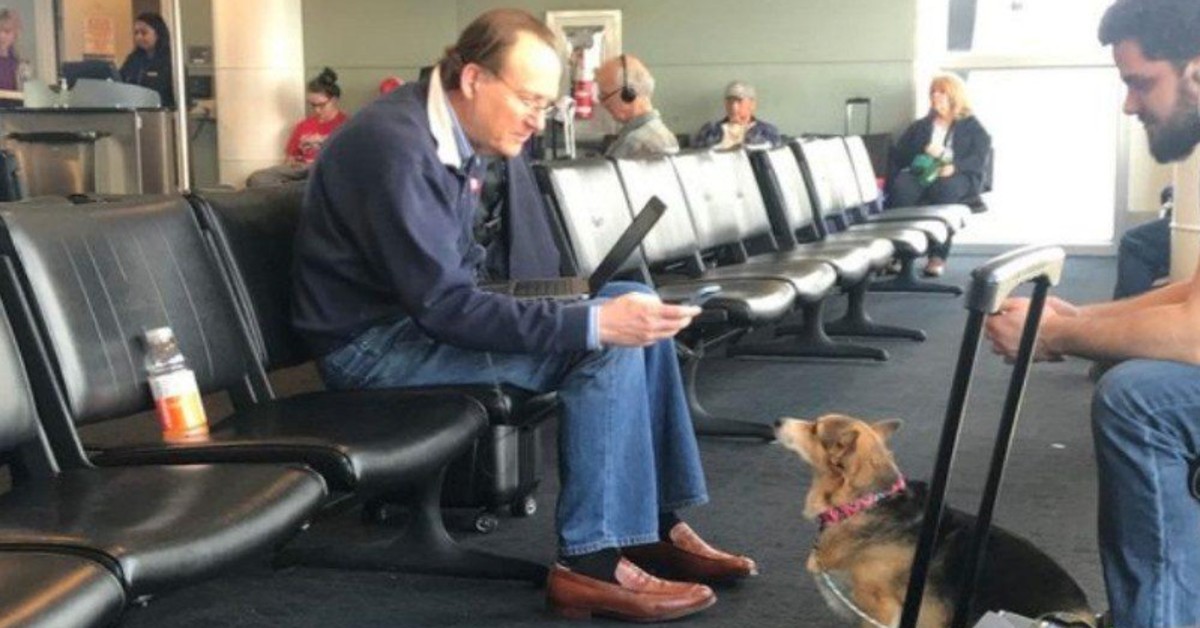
point(1163, 325)
point(1174, 293)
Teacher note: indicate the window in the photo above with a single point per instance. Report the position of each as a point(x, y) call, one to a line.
point(1025, 27)
point(1044, 87)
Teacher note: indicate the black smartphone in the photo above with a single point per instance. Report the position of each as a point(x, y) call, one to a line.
point(701, 294)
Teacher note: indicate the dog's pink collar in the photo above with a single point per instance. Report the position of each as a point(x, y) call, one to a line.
point(838, 514)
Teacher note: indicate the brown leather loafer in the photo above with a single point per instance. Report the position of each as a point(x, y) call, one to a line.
point(637, 596)
point(687, 557)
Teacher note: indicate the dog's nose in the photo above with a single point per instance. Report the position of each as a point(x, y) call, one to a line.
point(778, 423)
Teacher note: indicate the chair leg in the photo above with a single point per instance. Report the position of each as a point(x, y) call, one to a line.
point(705, 423)
point(423, 547)
point(808, 341)
point(908, 281)
point(856, 321)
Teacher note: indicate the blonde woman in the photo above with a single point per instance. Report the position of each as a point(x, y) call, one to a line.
point(940, 158)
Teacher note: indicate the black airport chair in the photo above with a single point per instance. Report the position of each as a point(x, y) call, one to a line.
point(87, 280)
point(151, 528)
point(594, 208)
point(789, 205)
point(837, 197)
point(727, 210)
point(253, 232)
point(44, 589)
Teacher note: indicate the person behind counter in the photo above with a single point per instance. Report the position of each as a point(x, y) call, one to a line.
point(149, 65)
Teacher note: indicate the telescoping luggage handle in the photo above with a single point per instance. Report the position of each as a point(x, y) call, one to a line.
point(853, 102)
point(991, 283)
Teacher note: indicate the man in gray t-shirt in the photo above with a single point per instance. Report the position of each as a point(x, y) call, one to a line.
point(626, 87)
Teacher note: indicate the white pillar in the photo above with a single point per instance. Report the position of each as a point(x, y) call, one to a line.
point(1185, 220)
point(258, 68)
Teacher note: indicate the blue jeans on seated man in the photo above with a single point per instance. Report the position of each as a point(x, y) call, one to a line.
point(627, 450)
point(1146, 424)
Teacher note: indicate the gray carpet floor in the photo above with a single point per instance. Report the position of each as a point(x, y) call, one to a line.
point(757, 489)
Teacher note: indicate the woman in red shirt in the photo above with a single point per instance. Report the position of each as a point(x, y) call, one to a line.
point(323, 95)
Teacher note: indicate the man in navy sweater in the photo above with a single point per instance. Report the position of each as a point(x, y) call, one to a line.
point(392, 244)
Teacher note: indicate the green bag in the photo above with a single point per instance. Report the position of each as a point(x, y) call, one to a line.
point(925, 168)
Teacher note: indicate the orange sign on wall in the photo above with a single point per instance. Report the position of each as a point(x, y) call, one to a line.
point(99, 37)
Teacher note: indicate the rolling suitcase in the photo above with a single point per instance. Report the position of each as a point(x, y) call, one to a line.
point(991, 283)
point(503, 468)
point(879, 145)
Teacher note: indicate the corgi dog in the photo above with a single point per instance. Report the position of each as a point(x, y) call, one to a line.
point(870, 521)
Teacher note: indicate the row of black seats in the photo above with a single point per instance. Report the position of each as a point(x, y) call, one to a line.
point(87, 528)
point(779, 230)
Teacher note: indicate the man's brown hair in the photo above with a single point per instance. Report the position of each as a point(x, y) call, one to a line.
point(487, 40)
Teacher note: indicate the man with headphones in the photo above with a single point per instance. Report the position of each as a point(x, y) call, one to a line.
point(1146, 409)
point(626, 87)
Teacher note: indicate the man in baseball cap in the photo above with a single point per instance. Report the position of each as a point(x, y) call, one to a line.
point(739, 127)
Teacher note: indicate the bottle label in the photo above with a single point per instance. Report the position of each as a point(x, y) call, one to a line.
point(180, 409)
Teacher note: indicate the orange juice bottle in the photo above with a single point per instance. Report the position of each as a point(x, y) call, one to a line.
point(173, 384)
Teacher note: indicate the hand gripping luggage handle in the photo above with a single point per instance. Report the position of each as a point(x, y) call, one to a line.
point(995, 280)
point(991, 283)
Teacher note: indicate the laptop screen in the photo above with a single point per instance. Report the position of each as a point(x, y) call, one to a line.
point(625, 245)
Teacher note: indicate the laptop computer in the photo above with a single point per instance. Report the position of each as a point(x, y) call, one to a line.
point(577, 287)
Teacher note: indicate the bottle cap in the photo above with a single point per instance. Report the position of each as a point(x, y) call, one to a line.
point(159, 334)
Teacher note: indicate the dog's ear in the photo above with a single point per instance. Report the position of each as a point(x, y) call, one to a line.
point(841, 448)
point(887, 428)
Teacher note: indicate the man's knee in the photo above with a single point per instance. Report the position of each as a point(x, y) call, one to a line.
point(1114, 391)
point(1120, 399)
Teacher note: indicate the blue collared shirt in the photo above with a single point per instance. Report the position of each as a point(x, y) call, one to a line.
point(469, 163)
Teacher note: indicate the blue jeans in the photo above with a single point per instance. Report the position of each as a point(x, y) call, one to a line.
point(627, 450)
point(1143, 257)
point(1146, 424)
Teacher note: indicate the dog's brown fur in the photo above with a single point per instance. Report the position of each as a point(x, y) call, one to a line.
point(870, 554)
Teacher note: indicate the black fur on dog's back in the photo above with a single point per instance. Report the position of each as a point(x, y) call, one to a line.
point(1017, 576)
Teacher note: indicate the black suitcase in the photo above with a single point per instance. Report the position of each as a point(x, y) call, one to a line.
point(991, 283)
point(503, 468)
point(879, 145)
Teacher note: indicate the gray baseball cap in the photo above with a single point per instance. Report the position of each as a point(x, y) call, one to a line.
point(740, 90)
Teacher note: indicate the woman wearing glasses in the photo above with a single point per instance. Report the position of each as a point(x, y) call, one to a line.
point(323, 95)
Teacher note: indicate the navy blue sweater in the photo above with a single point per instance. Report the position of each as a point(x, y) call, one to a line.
point(385, 233)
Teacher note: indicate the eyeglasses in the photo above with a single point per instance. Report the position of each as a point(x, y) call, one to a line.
point(534, 105)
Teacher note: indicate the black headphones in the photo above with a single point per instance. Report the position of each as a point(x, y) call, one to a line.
point(627, 93)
